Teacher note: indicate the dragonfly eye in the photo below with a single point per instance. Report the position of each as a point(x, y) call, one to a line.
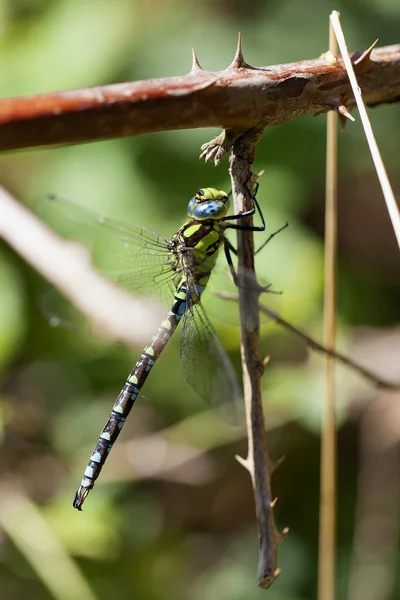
point(208, 203)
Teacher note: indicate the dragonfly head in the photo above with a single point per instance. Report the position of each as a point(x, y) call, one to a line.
point(208, 203)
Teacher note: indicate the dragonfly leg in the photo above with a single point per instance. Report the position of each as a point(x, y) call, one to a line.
point(251, 227)
point(269, 238)
point(228, 248)
point(248, 213)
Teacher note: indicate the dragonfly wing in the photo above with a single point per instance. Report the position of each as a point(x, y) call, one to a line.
point(206, 366)
point(135, 257)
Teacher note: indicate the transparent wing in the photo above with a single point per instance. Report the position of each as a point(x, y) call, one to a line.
point(135, 257)
point(206, 366)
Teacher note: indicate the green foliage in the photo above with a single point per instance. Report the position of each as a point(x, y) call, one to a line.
point(12, 310)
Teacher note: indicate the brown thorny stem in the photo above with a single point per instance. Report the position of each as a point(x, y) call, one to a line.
point(236, 99)
point(257, 462)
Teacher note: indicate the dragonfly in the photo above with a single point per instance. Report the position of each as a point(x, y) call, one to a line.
point(182, 266)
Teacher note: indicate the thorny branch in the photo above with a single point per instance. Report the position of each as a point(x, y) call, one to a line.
point(257, 462)
point(235, 100)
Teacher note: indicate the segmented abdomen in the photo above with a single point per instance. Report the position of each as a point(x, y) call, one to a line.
point(128, 395)
point(204, 240)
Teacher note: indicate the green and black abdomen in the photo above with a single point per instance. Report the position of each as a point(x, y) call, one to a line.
point(128, 395)
point(193, 254)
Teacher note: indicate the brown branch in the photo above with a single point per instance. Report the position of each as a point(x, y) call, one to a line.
point(238, 98)
point(257, 462)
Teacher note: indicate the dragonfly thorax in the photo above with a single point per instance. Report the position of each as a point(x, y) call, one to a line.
point(208, 203)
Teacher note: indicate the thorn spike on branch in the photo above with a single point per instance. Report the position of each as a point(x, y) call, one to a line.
point(196, 67)
point(343, 111)
point(274, 501)
point(238, 62)
point(363, 59)
point(284, 532)
point(329, 57)
point(244, 462)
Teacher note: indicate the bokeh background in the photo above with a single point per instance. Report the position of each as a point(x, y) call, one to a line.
point(172, 515)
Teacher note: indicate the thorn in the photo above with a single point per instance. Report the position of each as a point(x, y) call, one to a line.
point(329, 57)
point(266, 360)
point(196, 67)
point(284, 532)
point(366, 54)
point(238, 62)
point(273, 503)
point(243, 461)
point(344, 112)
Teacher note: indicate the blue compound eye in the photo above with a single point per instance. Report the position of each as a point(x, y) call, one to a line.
point(214, 209)
point(208, 203)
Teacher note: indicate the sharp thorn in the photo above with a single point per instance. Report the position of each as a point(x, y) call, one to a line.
point(238, 62)
point(242, 461)
point(196, 67)
point(365, 55)
point(341, 109)
point(273, 503)
point(329, 57)
point(344, 112)
point(266, 360)
point(284, 532)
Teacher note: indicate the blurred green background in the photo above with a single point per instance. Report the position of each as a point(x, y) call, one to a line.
point(172, 515)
